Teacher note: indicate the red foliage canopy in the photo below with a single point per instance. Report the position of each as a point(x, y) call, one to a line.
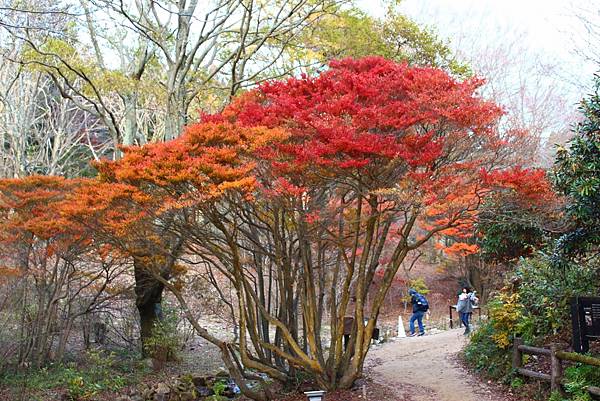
point(361, 113)
point(410, 131)
point(201, 165)
point(366, 161)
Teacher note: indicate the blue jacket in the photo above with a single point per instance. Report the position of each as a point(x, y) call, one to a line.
point(414, 298)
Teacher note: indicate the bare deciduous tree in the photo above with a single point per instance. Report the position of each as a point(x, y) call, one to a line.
point(40, 131)
point(158, 56)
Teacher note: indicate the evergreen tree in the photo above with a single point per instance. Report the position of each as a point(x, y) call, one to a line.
point(576, 175)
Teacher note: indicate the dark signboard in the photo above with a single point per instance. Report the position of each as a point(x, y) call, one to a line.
point(348, 326)
point(585, 315)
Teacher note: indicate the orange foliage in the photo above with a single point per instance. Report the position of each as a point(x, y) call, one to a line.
point(201, 165)
point(29, 210)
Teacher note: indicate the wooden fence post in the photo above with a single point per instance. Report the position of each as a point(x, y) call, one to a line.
point(556, 369)
point(517, 360)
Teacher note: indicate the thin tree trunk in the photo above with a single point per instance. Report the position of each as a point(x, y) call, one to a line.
point(130, 128)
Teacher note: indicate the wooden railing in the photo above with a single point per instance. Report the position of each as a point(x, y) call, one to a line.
point(556, 367)
point(453, 307)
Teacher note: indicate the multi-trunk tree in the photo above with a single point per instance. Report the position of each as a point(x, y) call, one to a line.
point(135, 73)
point(377, 150)
point(296, 191)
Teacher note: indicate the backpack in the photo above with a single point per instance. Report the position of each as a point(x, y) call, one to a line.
point(422, 303)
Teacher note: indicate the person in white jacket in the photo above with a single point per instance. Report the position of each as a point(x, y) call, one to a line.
point(466, 301)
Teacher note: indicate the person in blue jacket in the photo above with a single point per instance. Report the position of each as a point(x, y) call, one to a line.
point(420, 306)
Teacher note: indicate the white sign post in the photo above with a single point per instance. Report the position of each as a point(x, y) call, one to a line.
point(401, 331)
point(315, 395)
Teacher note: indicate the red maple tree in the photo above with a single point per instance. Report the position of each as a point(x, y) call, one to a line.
point(380, 157)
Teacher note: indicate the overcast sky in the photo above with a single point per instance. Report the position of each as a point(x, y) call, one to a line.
point(547, 27)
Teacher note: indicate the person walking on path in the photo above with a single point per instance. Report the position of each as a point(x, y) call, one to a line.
point(466, 301)
point(420, 306)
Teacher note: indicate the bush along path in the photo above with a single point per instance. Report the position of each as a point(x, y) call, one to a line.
point(427, 369)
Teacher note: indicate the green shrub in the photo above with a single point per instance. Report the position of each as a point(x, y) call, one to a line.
point(546, 289)
point(77, 389)
point(517, 382)
point(535, 305)
point(219, 387)
point(100, 372)
point(578, 377)
point(165, 341)
point(485, 356)
point(419, 285)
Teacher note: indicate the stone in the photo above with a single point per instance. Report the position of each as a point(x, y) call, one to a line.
point(204, 391)
point(200, 381)
point(358, 384)
point(187, 396)
point(162, 388)
point(161, 392)
point(147, 362)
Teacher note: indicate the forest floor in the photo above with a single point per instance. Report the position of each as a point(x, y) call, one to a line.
point(424, 368)
point(428, 368)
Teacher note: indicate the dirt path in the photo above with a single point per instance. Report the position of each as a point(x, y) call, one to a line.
point(425, 369)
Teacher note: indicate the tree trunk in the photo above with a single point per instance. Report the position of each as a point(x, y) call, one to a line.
point(130, 119)
point(149, 315)
point(176, 112)
point(474, 274)
point(148, 291)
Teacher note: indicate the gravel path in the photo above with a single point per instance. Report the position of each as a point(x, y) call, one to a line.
point(426, 369)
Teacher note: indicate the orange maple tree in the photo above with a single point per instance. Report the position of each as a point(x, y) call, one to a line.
point(55, 259)
point(140, 200)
